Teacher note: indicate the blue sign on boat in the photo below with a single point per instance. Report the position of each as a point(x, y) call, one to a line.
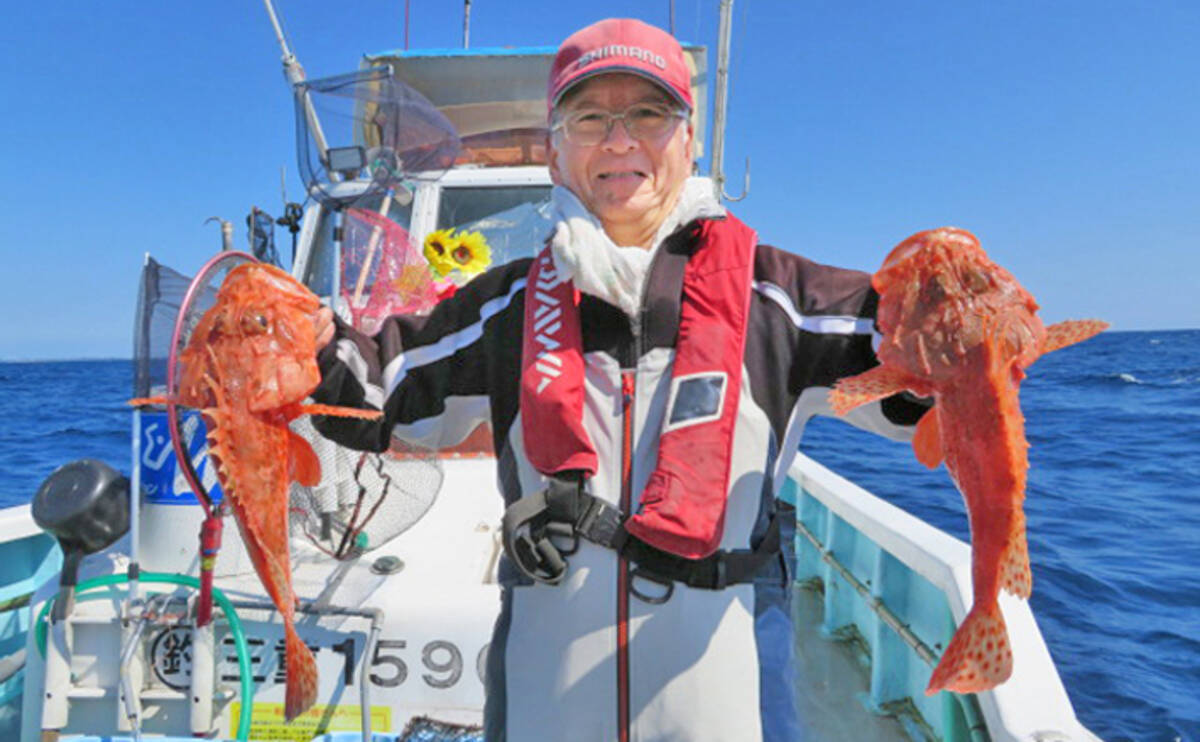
point(162, 481)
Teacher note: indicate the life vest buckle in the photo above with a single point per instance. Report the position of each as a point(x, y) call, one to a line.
point(543, 528)
point(527, 543)
point(641, 573)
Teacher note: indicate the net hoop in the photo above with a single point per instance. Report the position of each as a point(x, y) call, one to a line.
point(198, 284)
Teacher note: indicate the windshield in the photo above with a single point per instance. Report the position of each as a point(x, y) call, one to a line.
point(514, 220)
point(319, 271)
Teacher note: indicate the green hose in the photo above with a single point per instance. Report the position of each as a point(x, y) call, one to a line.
point(235, 628)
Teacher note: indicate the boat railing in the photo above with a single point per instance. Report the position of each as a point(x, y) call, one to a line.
point(31, 559)
point(898, 586)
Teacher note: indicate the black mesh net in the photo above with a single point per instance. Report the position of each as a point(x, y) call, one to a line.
point(424, 729)
point(160, 292)
point(364, 499)
point(367, 125)
point(260, 230)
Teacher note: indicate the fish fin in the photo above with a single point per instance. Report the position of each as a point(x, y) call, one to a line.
point(877, 383)
point(301, 692)
point(326, 409)
point(141, 401)
point(303, 465)
point(978, 658)
point(1015, 575)
point(927, 441)
point(1072, 331)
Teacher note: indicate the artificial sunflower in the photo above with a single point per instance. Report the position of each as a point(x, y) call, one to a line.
point(439, 246)
point(471, 255)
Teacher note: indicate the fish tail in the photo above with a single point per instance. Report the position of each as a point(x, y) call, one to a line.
point(979, 657)
point(1015, 575)
point(301, 691)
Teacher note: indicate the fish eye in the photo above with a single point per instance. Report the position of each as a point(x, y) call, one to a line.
point(254, 324)
point(977, 280)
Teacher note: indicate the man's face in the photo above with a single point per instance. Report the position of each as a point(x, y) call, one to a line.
point(626, 183)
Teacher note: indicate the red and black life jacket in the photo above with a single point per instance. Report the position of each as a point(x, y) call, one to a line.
point(682, 510)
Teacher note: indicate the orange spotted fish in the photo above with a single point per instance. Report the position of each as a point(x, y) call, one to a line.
point(960, 329)
point(248, 365)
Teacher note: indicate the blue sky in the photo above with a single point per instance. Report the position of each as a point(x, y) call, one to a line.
point(1064, 134)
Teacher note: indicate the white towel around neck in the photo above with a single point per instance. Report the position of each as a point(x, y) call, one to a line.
point(585, 254)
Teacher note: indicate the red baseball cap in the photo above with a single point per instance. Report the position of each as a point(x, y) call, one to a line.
point(621, 45)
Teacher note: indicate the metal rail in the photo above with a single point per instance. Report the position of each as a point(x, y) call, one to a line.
point(376, 616)
point(720, 108)
point(969, 704)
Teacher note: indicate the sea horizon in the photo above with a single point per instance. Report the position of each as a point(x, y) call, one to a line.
point(94, 359)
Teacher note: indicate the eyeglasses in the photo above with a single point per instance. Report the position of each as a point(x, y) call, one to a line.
point(591, 126)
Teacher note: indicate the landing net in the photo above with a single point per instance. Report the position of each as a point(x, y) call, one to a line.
point(367, 126)
point(383, 271)
point(363, 500)
point(169, 308)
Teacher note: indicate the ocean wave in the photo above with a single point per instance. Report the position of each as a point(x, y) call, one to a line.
point(120, 435)
point(1132, 379)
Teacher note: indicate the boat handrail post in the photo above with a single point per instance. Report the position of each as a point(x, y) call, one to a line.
point(364, 678)
point(56, 679)
point(466, 24)
point(203, 679)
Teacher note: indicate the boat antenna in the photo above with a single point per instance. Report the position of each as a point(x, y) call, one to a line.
point(407, 3)
point(720, 104)
point(295, 75)
point(466, 24)
point(671, 15)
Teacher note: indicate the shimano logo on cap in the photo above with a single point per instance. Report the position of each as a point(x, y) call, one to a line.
point(621, 50)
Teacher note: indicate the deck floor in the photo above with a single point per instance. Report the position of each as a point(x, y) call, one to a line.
point(831, 685)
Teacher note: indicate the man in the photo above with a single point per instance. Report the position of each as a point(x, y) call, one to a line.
point(647, 377)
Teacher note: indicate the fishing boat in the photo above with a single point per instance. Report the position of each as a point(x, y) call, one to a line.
point(100, 635)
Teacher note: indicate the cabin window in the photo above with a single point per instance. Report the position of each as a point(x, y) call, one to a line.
point(515, 220)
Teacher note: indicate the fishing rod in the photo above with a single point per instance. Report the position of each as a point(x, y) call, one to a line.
point(294, 73)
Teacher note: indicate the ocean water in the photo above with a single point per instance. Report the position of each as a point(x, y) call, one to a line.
point(1113, 505)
